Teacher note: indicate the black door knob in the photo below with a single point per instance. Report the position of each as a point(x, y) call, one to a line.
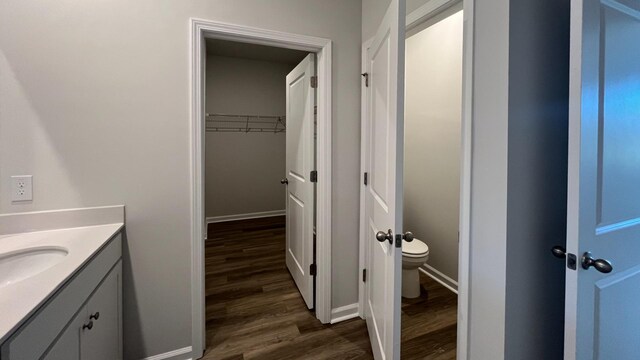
point(559, 251)
point(382, 236)
point(95, 316)
point(284, 181)
point(601, 265)
point(408, 236)
point(88, 326)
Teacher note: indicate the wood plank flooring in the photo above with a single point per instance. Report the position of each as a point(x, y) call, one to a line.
point(254, 310)
point(429, 323)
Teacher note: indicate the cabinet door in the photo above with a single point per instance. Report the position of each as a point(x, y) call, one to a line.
point(104, 308)
point(67, 347)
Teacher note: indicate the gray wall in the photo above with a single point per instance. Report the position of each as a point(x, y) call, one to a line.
point(94, 102)
point(518, 198)
point(537, 205)
point(433, 110)
point(243, 170)
point(372, 13)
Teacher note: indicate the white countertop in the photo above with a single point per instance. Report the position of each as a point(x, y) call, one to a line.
point(21, 299)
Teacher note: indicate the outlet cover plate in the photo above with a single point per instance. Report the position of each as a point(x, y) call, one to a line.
point(21, 188)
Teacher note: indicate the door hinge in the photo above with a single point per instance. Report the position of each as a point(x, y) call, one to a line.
point(366, 79)
point(314, 176)
point(364, 275)
point(315, 110)
point(313, 270)
point(314, 82)
point(366, 178)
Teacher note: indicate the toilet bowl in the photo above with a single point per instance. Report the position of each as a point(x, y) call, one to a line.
point(414, 254)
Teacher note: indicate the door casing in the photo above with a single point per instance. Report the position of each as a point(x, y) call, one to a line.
point(201, 29)
point(414, 19)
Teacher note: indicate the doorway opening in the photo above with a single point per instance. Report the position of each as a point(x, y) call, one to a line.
point(261, 118)
point(416, 147)
point(432, 166)
point(259, 152)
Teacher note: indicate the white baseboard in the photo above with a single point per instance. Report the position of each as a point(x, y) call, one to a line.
point(255, 215)
point(344, 313)
point(178, 354)
point(443, 279)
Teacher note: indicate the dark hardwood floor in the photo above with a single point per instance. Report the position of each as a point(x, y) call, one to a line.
point(429, 323)
point(254, 310)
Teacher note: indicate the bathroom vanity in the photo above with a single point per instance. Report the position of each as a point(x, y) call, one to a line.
point(61, 288)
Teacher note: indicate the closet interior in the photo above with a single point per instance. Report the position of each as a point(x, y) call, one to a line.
point(246, 274)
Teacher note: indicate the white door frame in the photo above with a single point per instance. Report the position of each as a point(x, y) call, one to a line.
point(415, 18)
point(201, 29)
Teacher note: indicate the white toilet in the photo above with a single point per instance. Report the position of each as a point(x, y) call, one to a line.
point(414, 254)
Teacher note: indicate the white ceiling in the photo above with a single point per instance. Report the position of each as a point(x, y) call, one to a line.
point(253, 51)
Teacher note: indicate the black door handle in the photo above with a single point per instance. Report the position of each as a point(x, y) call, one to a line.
point(284, 181)
point(382, 236)
point(602, 265)
point(559, 251)
point(88, 326)
point(408, 236)
point(95, 316)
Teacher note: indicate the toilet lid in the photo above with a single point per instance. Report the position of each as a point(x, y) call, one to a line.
point(415, 247)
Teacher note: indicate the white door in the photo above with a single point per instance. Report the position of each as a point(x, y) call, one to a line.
point(383, 193)
point(300, 164)
point(602, 308)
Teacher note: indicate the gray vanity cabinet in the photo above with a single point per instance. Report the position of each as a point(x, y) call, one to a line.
point(82, 321)
point(104, 310)
point(95, 331)
point(67, 347)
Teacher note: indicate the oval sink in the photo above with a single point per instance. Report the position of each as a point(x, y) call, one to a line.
point(25, 263)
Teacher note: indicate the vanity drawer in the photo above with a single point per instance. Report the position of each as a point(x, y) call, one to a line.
point(33, 338)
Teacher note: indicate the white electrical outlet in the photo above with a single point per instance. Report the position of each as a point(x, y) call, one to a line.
point(22, 188)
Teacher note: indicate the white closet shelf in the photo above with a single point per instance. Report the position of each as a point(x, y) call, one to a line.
point(245, 123)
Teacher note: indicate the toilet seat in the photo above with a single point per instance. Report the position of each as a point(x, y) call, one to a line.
point(415, 248)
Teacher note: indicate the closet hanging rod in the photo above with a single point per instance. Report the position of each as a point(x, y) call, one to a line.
point(247, 116)
point(252, 121)
point(245, 123)
point(245, 130)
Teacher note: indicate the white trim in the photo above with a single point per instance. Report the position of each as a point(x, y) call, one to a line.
point(443, 279)
point(253, 35)
point(346, 312)
point(247, 216)
point(427, 11)
point(363, 169)
point(172, 355)
point(323, 187)
point(464, 248)
point(573, 175)
point(201, 29)
point(198, 228)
